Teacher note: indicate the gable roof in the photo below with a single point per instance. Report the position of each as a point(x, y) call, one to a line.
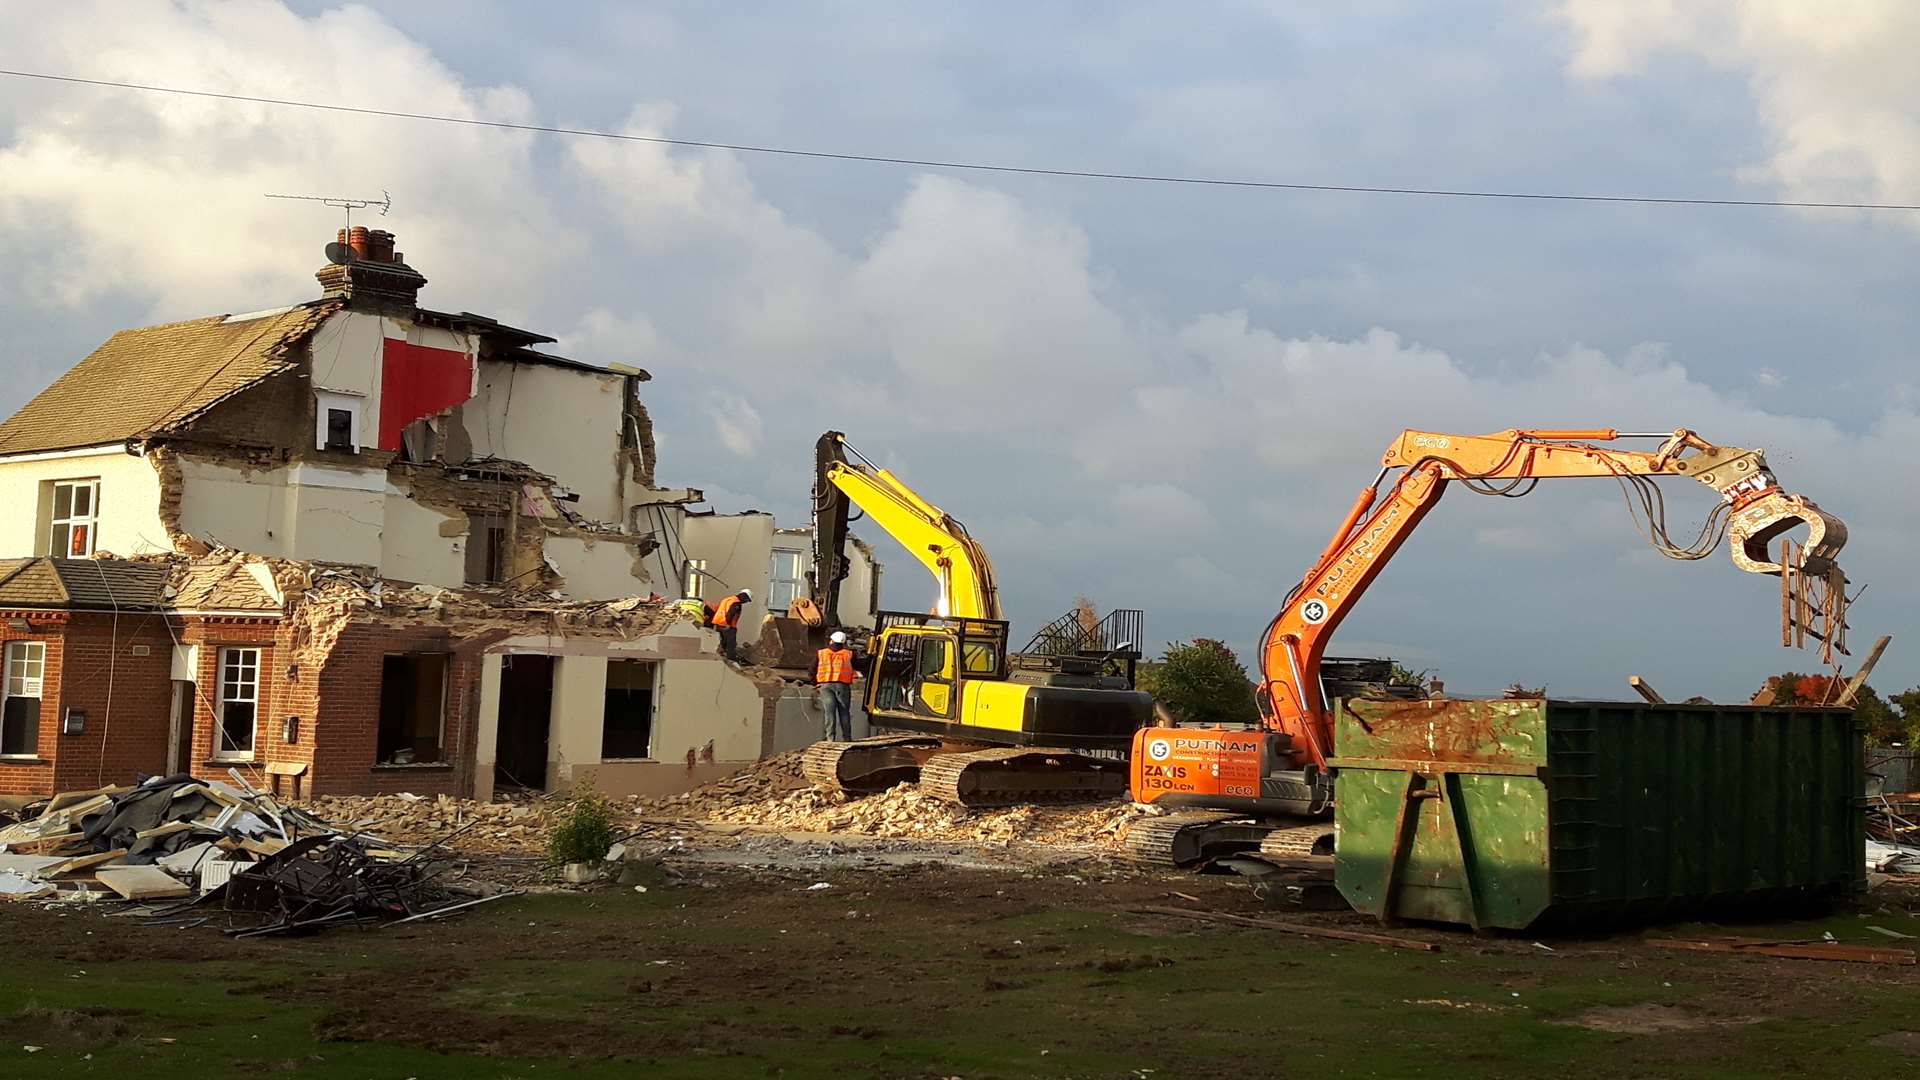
point(82, 583)
point(157, 378)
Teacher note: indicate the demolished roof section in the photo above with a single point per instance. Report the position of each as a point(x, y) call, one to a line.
point(157, 378)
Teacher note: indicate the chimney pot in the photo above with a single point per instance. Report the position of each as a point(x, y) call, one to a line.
point(380, 245)
point(362, 246)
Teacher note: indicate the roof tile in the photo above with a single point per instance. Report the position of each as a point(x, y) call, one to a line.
point(158, 377)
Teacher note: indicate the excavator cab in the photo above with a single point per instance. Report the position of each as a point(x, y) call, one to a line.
point(922, 665)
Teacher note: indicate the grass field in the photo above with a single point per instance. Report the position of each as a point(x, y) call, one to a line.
point(920, 974)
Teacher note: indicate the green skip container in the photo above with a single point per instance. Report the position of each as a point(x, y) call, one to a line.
point(1531, 812)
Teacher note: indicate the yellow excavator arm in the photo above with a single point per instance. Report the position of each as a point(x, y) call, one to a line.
point(957, 561)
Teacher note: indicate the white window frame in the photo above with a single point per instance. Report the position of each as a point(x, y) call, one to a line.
point(782, 592)
point(220, 752)
point(89, 520)
point(696, 579)
point(324, 400)
point(31, 656)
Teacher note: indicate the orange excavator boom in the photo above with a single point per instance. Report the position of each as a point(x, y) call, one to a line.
point(1230, 770)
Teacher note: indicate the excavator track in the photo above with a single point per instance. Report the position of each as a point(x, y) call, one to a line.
point(1006, 776)
point(867, 765)
point(1298, 841)
point(1175, 840)
point(1191, 838)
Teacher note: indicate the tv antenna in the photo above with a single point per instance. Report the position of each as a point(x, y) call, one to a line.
point(384, 202)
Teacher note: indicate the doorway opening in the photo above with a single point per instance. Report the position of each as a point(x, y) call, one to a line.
point(526, 714)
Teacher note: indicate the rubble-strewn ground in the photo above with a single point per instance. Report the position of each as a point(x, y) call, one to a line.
point(926, 972)
point(764, 929)
point(770, 796)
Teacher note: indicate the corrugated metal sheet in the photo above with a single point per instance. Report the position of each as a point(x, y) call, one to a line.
point(1509, 813)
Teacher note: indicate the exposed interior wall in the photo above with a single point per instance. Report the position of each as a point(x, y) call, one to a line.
point(799, 722)
point(129, 521)
point(414, 545)
point(349, 354)
point(706, 707)
point(297, 512)
point(562, 421)
point(346, 354)
point(737, 549)
point(708, 718)
point(579, 703)
point(858, 590)
point(601, 568)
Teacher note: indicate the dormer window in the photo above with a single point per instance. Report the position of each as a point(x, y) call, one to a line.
point(336, 422)
point(339, 430)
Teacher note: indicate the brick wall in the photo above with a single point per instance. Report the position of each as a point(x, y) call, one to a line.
point(91, 665)
point(278, 697)
point(125, 697)
point(277, 412)
point(35, 777)
point(349, 707)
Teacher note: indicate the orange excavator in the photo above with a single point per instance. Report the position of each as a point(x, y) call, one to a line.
point(1238, 786)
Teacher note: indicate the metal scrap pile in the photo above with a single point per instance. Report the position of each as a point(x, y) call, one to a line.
point(177, 843)
point(1893, 834)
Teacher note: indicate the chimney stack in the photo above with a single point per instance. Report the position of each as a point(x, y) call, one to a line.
point(378, 278)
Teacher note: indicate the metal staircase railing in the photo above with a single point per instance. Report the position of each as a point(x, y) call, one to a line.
point(1068, 636)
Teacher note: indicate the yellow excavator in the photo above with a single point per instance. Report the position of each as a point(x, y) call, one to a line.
point(973, 723)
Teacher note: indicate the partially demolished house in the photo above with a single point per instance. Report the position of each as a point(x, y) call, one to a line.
point(356, 545)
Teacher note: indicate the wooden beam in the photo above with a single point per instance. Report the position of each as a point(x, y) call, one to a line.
point(1292, 928)
point(1794, 950)
point(1646, 690)
point(1859, 678)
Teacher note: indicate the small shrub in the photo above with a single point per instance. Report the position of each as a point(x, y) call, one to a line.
point(585, 831)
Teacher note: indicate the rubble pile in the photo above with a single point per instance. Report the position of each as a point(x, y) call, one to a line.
point(765, 780)
point(520, 825)
point(907, 812)
point(775, 796)
point(176, 843)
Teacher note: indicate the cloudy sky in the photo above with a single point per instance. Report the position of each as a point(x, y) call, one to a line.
point(1161, 396)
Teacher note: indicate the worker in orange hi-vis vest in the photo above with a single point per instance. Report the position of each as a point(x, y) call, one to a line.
point(726, 619)
point(833, 673)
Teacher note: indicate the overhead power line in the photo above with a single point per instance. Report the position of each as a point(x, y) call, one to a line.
point(967, 166)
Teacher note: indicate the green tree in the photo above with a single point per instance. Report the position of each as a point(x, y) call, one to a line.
point(1202, 682)
point(1908, 704)
point(1885, 722)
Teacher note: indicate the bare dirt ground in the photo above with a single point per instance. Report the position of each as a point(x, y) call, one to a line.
point(762, 929)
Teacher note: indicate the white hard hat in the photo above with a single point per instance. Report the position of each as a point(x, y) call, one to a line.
point(837, 637)
point(748, 593)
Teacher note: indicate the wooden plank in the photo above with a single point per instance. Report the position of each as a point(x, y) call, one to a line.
point(1293, 928)
point(168, 829)
point(263, 847)
point(142, 882)
point(1793, 950)
point(84, 802)
point(83, 862)
point(1859, 678)
point(45, 845)
point(1645, 690)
